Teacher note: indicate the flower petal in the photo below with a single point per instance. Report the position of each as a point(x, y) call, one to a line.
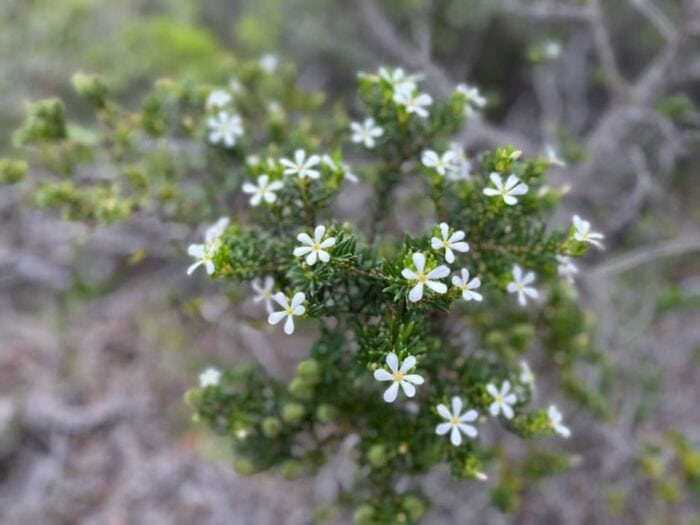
point(289, 325)
point(456, 406)
point(436, 286)
point(391, 392)
point(443, 428)
point(444, 411)
point(408, 388)
point(276, 317)
point(416, 293)
point(456, 437)
point(407, 364)
point(419, 261)
point(440, 272)
point(381, 374)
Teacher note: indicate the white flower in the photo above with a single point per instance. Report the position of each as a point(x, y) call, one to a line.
point(205, 253)
point(449, 242)
point(518, 285)
point(413, 101)
point(467, 286)
point(366, 132)
point(474, 100)
point(460, 168)
point(555, 419)
point(441, 164)
point(301, 166)
point(268, 63)
point(263, 289)
point(210, 377)
point(513, 186)
point(289, 310)
point(218, 98)
point(456, 422)
point(416, 293)
point(399, 376)
point(552, 49)
point(526, 375)
point(583, 232)
point(235, 85)
point(502, 400)
point(264, 190)
point(215, 231)
point(314, 248)
point(398, 78)
point(225, 128)
point(566, 268)
point(349, 175)
point(553, 157)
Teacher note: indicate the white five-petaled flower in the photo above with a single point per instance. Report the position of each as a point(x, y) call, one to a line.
point(301, 165)
point(583, 232)
point(513, 186)
point(205, 255)
point(460, 168)
point(289, 310)
point(467, 286)
point(400, 376)
point(225, 128)
point(416, 293)
point(449, 242)
point(566, 268)
point(268, 62)
point(555, 419)
point(263, 289)
point(264, 190)
point(216, 230)
point(519, 285)
point(457, 423)
point(412, 100)
point(526, 376)
point(551, 49)
point(553, 157)
point(503, 400)
point(366, 132)
point(474, 100)
point(314, 248)
point(440, 163)
point(398, 78)
point(210, 377)
point(218, 98)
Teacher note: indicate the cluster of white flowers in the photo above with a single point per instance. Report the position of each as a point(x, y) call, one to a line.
point(473, 100)
point(204, 253)
point(405, 91)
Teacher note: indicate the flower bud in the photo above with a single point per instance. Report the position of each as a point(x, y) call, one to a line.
point(292, 412)
point(291, 469)
point(300, 389)
point(325, 413)
point(376, 455)
point(91, 87)
point(309, 370)
point(414, 506)
point(271, 426)
point(363, 515)
point(243, 466)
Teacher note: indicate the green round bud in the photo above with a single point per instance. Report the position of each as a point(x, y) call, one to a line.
point(291, 469)
point(309, 370)
point(363, 515)
point(271, 426)
point(243, 467)
point(12, 171)
point(193, 398)
point(376, 455)
point(495, 339)
point(292, 412)
point(326, 413)
point(414, 506)
point(521, 335)
point(90, 87)
point(300, 388)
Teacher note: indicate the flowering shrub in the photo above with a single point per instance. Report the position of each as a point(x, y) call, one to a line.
point(420, 337)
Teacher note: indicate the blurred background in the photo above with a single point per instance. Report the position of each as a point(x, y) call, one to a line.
point(98, 343)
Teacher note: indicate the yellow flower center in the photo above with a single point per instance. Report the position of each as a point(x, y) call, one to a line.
point(519, 287)
point(289, 311)
point(504, 192)
point(445, 244)
point(315, 246)
point(454, 421)
point(422, 277)
point(498, 399)
point(398, 377)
